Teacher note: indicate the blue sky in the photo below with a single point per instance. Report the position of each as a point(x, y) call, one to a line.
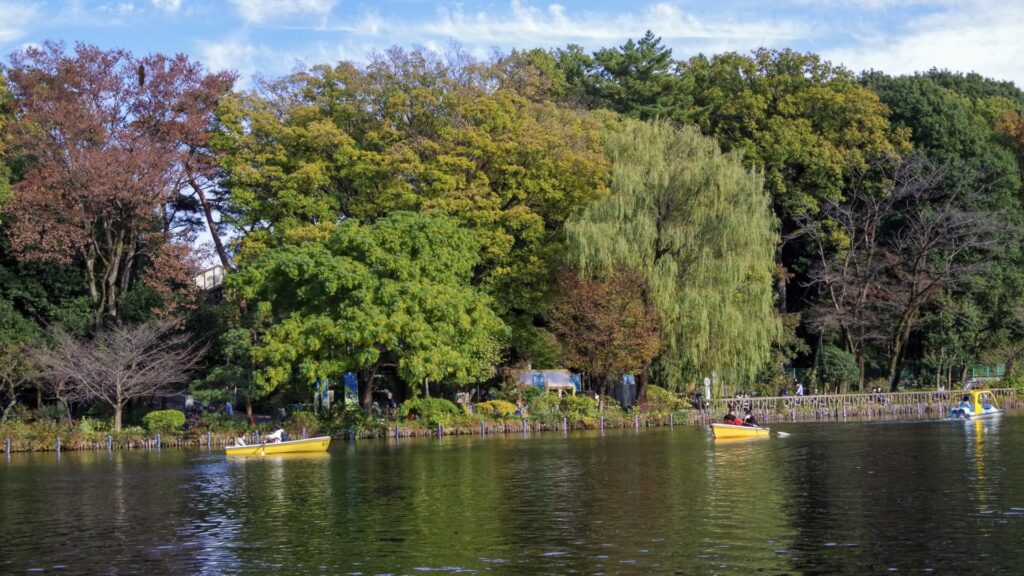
point(271, 37)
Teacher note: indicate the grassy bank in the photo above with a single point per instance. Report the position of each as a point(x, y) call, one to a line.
point(416, 417)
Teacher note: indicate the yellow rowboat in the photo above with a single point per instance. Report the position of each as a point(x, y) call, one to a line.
point(729, 431)
point(318, 444)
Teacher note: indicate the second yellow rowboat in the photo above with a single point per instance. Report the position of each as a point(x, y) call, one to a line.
point(318, 444)
point(725, 431)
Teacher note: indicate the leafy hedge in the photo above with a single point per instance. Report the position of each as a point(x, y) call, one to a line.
point(579, 407)
point(433, 411)
point(300, 420)
point(662, 401)
point(496, 408)
point(164, 421)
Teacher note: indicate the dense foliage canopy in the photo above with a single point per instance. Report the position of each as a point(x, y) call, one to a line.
point(696, 225)
point(424, 218)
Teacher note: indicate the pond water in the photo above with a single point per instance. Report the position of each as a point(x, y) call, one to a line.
point(859, 498)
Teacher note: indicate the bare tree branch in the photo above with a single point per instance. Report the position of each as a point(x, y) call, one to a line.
point(120, 364)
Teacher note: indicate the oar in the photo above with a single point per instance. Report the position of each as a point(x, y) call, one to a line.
point(782, 434)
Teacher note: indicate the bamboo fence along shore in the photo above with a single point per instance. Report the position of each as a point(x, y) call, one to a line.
point(842, 407)
point(815, 408)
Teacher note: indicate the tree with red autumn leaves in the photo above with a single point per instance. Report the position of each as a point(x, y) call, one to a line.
point(604, 324)
point(114, 165)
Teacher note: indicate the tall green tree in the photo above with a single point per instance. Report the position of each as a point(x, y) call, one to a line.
point(639, 80)
point(413, 132)
point(964, 123)
point(17, 370)
point(807, 125)
point(697, 226)
point(954, 129)
point(352, 297)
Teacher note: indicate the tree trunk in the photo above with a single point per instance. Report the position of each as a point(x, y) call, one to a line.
point(963, 374)
point(39, 397)
point(898, 345)
point(10, 401)
point(641, 387)
point(602, 392)
point(248, 411)
point(208, 212)
point(118, 408)
point(94, 293)
point(860, 369)
point(366, 387)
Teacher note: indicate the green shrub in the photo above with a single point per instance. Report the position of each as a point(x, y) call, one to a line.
point(234, 424)
point(433, 411)
point(130, 435)
point(496, 408)
point(661, 401)
point(51, 412)
point(1016, 382)
point(579, 407)
point(302, 419)
point(546, 403)
point(19, 413)
point(882, 383)
point(92, 428)
point(838, 367)
point(164, 421)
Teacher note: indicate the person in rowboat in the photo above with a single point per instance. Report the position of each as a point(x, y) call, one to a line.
point(748, 418)
point(731, 417)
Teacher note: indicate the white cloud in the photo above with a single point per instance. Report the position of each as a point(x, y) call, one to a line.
point(527, 25)
point(251, 59)
point(260, 11)
point(167, 5)
point(232, 54)
point(874, 4)
point(15, 19)
point(982, 36)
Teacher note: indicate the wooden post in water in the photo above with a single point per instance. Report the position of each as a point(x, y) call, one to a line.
point(256, 435)
point(208, 439)
point(58, 444)
point(158, 442)
point(7, 446)
point(565, 424)
point(672, 420)
point(440, 431)
point(600, 423)
point(483, 430)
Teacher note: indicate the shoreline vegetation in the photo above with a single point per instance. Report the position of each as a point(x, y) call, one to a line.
point(217, 431)
point(427, 225)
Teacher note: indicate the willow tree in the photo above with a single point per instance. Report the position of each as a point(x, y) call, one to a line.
point(698, 227)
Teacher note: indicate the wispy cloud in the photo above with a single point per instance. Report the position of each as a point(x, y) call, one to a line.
point(526, 24)
point(981, 35)
point(260, 11)
point(167, 5)
point(234, 53)
point(15, 19)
